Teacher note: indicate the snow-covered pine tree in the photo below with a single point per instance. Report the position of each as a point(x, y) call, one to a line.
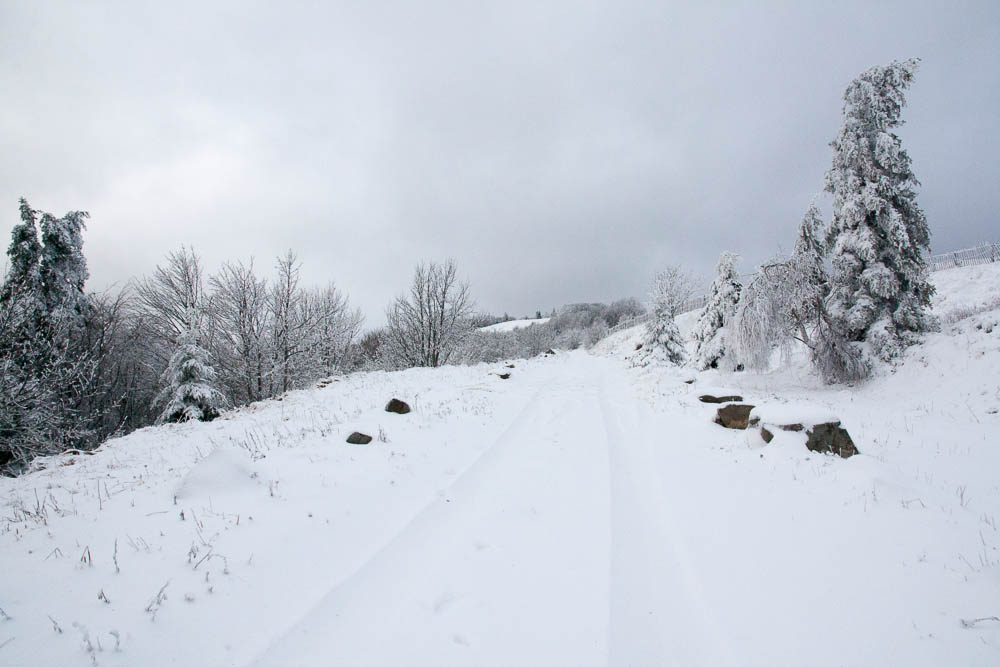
point(46, 368)
point(188, 380)
point(24, 254)
point(20, 296)
point(63, 270)
point(723, 297)
point(879, 236)
point(663, 343)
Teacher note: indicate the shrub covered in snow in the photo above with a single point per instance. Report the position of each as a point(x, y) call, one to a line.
point(786, 301)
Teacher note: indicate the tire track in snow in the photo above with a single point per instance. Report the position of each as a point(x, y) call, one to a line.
point(511, 560)
point(658, 614)
point(518, 419)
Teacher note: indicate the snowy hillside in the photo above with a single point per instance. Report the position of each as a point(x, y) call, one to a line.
point(578, 513)
point(511, 325)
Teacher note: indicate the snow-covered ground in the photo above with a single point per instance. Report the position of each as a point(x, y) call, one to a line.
point(511, 325)
point(578, 513)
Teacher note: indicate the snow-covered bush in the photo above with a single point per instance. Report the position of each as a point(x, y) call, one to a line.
point(491, 346)
point(880, 292)
point(623, 310)
point(710, 331)
point(786, 301)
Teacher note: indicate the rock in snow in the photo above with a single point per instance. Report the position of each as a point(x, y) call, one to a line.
point(831, 438)
point(397, 406)
point(734, 415)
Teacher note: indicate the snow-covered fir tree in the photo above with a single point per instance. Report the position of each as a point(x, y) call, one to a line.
point(710, 330)
point(20, 296)
point(189, 393)
point(663, 343)
point(879, 236)
point(23, 254)
point(47, 370)
point(63, 270)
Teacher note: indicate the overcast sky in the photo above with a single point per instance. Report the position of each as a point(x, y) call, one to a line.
point(558, 151)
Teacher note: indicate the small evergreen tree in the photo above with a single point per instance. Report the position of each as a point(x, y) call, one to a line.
point(663, 343)
point(879, 292)
point(723, 297)
point(189, 394)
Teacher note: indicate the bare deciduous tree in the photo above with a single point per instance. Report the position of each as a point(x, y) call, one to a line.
point(425, 325)
point(240, 311)
point(174, 294)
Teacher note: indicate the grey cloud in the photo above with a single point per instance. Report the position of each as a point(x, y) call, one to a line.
point(558, 151)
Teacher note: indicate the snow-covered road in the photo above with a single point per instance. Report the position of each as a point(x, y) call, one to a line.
point(555, 547)
point(607, 527)
point(512, 562)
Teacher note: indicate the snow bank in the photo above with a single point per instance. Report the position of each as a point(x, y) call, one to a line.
point(622, 343)
point(963, 291)
point(782, 414)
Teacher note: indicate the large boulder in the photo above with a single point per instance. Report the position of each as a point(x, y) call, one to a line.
point(397, 406)
point(734, 415)
point(831, 438)
point(357, 438)
point(822, 427)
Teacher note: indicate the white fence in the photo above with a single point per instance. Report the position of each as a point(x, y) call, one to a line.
point(984, 253)
point(686, 307)
point(629, 323)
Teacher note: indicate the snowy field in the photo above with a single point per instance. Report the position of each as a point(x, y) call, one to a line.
point(578, 513)
point(511, 325)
